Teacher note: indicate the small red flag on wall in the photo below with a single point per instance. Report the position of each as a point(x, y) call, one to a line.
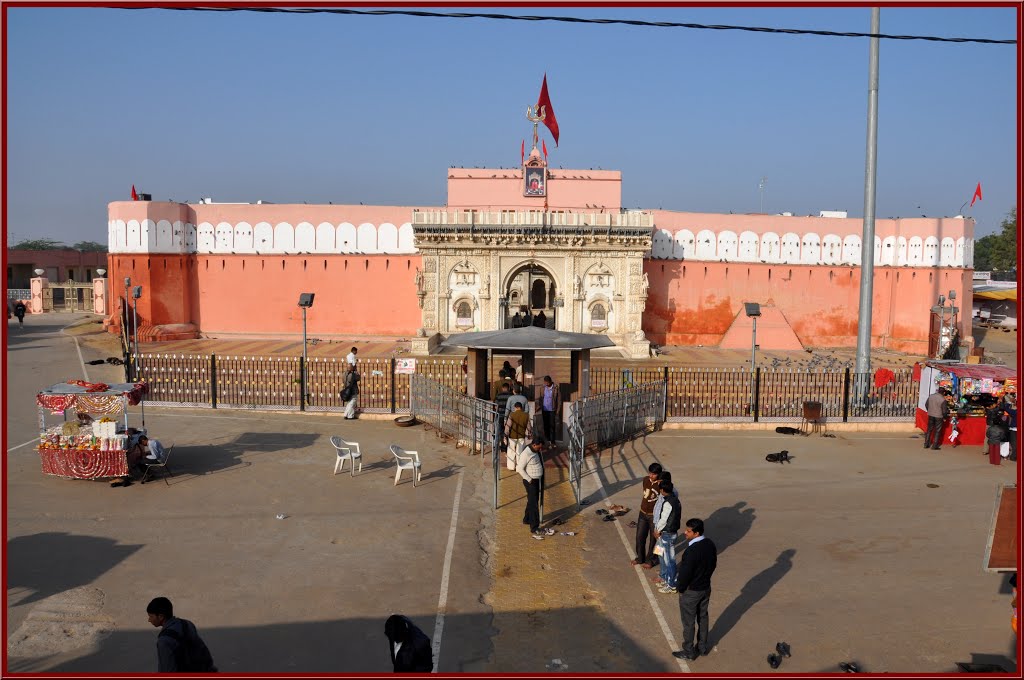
point(522, 152)
point(977, 195)
point(135, 196)
point(545, 147)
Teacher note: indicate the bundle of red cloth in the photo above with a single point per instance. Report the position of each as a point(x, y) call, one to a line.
point(90, 387)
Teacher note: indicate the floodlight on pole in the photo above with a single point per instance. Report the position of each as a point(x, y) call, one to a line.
point(305, 302)
point(753, 310)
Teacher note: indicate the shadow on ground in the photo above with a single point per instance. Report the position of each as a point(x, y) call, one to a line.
point(356, 645)
point(43, 562)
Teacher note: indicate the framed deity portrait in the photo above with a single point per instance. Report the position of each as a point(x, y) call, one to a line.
point(535, 182)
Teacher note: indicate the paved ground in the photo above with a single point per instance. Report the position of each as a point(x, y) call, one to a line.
point(866, 548)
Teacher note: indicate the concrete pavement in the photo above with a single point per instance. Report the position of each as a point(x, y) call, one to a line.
point(865, 548)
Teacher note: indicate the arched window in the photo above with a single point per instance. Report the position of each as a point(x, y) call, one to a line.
point(463, 314)
point(513, 299)
point(598, 316)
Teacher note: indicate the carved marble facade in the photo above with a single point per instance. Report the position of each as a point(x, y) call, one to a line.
point(473, 264)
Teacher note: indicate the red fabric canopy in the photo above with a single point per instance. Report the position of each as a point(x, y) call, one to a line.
point(977, 371)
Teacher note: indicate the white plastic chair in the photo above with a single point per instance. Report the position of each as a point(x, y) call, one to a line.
point(347, 451)
point(406, 460)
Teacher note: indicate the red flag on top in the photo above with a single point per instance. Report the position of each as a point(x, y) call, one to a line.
point(545, 147)
point(522, 152)
point(135, 196)
point(549, 113)
point(977, 195)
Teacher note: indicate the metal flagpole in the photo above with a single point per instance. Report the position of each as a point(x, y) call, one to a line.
point(867, 253)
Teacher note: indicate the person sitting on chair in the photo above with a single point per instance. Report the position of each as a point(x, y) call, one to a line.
point(153, 449)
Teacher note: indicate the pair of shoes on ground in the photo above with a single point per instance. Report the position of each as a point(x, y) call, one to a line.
point(667, 589)
point(538, 534)
point(689, 656)
point(775, 660)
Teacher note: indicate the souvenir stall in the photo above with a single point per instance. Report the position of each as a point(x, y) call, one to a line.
point(973, 389)
point(93, 444)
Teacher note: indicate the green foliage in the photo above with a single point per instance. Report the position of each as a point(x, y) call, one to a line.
point(90, 247)
point(39, 244)
point(998, 252)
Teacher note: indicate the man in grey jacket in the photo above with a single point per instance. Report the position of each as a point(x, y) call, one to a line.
point(179, 648)
point(938, 411)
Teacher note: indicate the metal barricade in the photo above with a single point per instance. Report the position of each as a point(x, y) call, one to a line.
point(610, 418)
point(465, 419)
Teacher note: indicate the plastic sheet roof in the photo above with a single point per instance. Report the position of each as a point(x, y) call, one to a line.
point(528, 338)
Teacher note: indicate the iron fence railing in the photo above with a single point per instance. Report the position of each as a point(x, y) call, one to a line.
point(691, 394)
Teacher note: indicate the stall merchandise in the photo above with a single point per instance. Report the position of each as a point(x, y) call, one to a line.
point(92, 450)
point(973, 388)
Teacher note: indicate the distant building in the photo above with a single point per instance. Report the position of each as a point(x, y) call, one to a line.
point(58, 265)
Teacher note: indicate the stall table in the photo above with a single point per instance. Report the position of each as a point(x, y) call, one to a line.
point(86, 451)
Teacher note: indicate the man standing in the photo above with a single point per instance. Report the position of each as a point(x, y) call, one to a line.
point(645, 518)
point(666, 528)
point(517, 398)
point(531, 469)
point(501, 406)
point(179, 648)
point(409, 646)
point(19, 311)
point(518, 431)
point(938, 410)
point(549, 401)
point(694, 584)
point(350, 358)
point(350, 393)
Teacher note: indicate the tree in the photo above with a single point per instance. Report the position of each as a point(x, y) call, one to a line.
point(998, 252)
point(39, 244)
point(90, 247)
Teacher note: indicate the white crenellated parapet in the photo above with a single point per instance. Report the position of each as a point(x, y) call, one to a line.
point(809, 248)
point(262, 238)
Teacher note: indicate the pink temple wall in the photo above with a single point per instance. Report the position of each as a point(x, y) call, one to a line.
point(490, 188)
point(258, 294)
point(695, 303)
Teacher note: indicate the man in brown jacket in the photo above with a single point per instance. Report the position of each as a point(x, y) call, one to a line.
point(645, 518)
point(518, 431)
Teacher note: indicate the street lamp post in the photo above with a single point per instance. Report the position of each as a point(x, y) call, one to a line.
point(753, 311)
point(130, 364)
point(136, 294)
point(305, 302)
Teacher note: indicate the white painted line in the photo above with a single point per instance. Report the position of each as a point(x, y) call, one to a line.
point(665, 630)
point(33, 441)
point(85, 373)
point(442, 600)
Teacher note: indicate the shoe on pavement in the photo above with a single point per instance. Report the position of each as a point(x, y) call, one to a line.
point(681, 654)
point(667, 589)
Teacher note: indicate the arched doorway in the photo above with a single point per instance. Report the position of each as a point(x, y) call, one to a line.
point(531, 292)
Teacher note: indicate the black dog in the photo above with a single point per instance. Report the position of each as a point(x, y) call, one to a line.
point(780, 457)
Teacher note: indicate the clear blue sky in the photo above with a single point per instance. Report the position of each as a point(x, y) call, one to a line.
point(291, 108)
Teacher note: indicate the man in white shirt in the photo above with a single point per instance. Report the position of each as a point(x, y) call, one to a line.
point(351, 357)
point(155, 449)
point(531, 468)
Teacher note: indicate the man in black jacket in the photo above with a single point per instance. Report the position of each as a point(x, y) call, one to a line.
point(179, 648)
point(409, 646)
point(694, 585)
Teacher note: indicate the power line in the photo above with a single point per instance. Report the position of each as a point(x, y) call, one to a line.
point(573, 20)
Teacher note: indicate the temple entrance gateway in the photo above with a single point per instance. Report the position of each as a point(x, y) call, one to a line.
point(582, 271)
point(532, 300)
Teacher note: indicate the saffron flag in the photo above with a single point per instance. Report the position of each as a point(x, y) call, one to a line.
point(522, 152)
point(545, 147)
point(977, 195)
point(549, 113)
point(135, 196)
